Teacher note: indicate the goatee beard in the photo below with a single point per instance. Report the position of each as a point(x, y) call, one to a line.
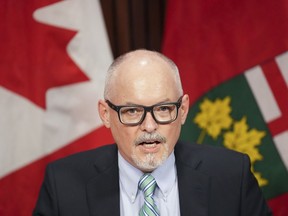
point(150, 161)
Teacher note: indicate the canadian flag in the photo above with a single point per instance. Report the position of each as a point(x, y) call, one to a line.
point(53, 59)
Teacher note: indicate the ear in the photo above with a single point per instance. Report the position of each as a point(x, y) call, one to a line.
point(104, 113)
point(184, 109)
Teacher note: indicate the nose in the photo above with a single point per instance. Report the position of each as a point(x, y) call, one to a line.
point(149, 124)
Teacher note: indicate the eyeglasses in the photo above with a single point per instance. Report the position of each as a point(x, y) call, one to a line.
point(162, 113)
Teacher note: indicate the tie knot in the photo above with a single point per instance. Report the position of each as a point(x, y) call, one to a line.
point(147, 184)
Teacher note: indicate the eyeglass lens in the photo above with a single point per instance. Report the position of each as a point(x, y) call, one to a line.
point(162, 113)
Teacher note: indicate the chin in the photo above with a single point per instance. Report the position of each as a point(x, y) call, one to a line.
point(150, 161)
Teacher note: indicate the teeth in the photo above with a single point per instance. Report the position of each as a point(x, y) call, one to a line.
point(150, 141)
point(152, 145)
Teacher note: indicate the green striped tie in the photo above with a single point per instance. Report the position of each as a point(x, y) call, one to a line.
point(148, 185)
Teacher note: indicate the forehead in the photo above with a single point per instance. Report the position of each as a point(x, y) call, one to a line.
point(143, 79)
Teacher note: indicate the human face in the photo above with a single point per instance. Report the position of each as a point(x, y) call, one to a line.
point(144, 82)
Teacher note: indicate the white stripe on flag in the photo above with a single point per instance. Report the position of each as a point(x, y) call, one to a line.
point(263, 94)
point(282, 62)
point(281, 142)
point(20, 131)
point(90, 48)
point(71, 113)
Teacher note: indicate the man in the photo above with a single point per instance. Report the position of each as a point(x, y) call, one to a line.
point(145, 107)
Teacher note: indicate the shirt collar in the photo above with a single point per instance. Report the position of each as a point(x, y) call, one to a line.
point(165, 176)
point(129, 177)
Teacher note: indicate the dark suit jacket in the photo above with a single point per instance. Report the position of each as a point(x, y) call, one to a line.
point(212, 182)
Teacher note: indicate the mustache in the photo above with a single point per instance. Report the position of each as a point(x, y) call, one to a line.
point(150, 137)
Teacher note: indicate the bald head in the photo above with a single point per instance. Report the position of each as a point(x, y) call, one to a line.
point(137, 66)
point(144, 85)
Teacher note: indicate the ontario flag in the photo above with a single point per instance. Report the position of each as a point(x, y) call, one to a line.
point(53, 59)
point(233, 59)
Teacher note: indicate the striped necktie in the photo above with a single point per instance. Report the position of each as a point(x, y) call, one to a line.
point(148, 185)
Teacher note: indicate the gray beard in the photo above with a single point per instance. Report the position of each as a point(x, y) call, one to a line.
point(150, 162)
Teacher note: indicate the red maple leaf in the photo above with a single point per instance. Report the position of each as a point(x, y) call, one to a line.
point(33, 56)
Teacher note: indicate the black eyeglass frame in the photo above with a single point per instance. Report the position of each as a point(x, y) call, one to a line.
point(146, 109)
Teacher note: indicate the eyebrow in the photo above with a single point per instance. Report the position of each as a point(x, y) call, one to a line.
point(133, 104)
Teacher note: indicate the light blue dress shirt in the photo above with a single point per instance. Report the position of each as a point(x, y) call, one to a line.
point(166, 195)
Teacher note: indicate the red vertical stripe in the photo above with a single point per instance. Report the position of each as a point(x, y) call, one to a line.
point(280, 92)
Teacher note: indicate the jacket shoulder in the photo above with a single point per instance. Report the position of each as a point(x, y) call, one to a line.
point(82, 162)
point(210, 158)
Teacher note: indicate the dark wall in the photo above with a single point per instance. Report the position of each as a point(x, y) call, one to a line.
point(133, 24)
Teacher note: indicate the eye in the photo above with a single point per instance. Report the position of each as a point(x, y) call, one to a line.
point(165, 108)
point(131, 110)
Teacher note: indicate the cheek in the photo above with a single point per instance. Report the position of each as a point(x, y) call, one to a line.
point(117, 128)
point(124, 137)
point(172, 134)
point(125, 141)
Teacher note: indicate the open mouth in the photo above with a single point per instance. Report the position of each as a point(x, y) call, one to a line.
point(149, 143)
point(150, 146)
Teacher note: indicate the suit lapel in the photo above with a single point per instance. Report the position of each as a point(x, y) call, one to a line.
point(192, 183)
point(103, 190)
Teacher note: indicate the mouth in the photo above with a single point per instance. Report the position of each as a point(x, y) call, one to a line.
point(150, 143)
point(150, 146)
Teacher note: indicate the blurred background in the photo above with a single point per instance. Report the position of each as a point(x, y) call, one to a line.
point(134, 24)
